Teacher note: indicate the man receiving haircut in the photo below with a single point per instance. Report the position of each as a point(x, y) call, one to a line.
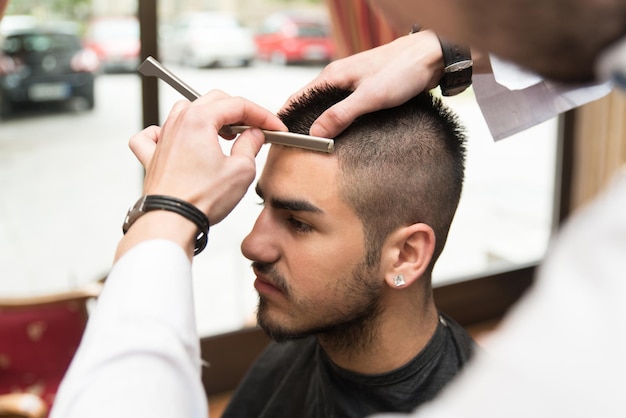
point(343, 253)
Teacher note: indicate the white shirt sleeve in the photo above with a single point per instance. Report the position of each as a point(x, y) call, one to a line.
point(512, 99)
point(140, 355)
point(560, 352)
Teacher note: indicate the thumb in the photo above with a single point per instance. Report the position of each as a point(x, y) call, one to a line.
point(248, 144)
point(339, 116)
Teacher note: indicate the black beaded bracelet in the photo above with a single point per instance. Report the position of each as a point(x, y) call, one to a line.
point(158, 202)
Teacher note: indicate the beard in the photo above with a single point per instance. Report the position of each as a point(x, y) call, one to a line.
point(351, 326)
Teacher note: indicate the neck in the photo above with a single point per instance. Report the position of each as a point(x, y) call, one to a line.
point(388, 340)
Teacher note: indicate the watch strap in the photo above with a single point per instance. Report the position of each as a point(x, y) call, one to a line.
point(457, 61)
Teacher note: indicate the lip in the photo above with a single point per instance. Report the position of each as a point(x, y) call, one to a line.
point(263, 285)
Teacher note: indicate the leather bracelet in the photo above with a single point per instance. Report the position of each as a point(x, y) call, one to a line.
point(149, 203)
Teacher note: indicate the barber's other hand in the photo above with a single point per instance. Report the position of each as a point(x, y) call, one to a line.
point(382, 77)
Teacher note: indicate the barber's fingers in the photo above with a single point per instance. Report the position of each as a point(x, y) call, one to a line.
point(377, 92)
point(209, 114)
point(340, 73)
point(228, 110)
point(210, 96)
point(178, 106)
point(144, 143)
point(339, 116)
point(215, 109)
point(248, 144)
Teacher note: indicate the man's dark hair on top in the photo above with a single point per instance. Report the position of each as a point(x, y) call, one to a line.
point(398, 166)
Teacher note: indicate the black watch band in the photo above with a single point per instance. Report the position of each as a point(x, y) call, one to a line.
point(457, 61)
point(158, 202)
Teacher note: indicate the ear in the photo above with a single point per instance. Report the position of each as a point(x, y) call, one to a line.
point(407, 254)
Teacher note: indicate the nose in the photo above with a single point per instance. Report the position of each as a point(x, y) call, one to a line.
point(261, 244)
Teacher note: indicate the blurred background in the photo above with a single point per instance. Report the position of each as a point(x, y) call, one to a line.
point(70, 99)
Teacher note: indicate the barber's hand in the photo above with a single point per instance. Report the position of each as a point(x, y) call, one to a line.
point(184, 159)
point(381, 78)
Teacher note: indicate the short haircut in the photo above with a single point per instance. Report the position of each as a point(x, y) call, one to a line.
point(398, 166)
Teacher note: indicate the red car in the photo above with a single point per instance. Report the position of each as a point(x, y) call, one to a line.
point(286, 38)
point(116, 42)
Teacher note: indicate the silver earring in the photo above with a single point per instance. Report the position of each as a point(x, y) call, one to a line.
point(398, 280)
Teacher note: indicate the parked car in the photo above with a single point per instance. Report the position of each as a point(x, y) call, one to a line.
point(294, 37)
point(45, 65)
point(116, 42)
point(207, 39)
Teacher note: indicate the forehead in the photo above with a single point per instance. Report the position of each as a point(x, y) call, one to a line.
point(300, 174)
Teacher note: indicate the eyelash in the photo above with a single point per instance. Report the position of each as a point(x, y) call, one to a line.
point(299, 226)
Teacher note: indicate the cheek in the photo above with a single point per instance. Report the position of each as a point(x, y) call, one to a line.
point(317, 267)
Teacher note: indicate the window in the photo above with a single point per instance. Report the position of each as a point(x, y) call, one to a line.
point(68, 178)
point(504, 218)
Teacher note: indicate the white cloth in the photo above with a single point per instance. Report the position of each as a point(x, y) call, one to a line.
point(560, 352)
point(512, 99)
point(140, 355)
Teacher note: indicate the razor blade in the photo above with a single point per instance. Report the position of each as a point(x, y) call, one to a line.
point(152, 67)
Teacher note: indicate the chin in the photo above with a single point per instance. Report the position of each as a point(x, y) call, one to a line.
point(279, 333)
point(273, 328)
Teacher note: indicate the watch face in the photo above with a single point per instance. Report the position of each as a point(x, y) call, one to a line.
point(133, 214)
point(459, 66)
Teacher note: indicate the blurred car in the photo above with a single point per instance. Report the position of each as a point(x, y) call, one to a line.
point(294, 37)
point(116, 42)
point(45, 65)
point(11, 23)
point(207, 39)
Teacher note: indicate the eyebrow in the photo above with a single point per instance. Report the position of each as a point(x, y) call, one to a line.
point(297, 205)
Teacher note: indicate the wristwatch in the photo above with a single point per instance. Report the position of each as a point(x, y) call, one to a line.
point(148, 203)
point(134, 213)
point(457, 61)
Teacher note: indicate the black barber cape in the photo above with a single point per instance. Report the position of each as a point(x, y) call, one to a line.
point(297, 380)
